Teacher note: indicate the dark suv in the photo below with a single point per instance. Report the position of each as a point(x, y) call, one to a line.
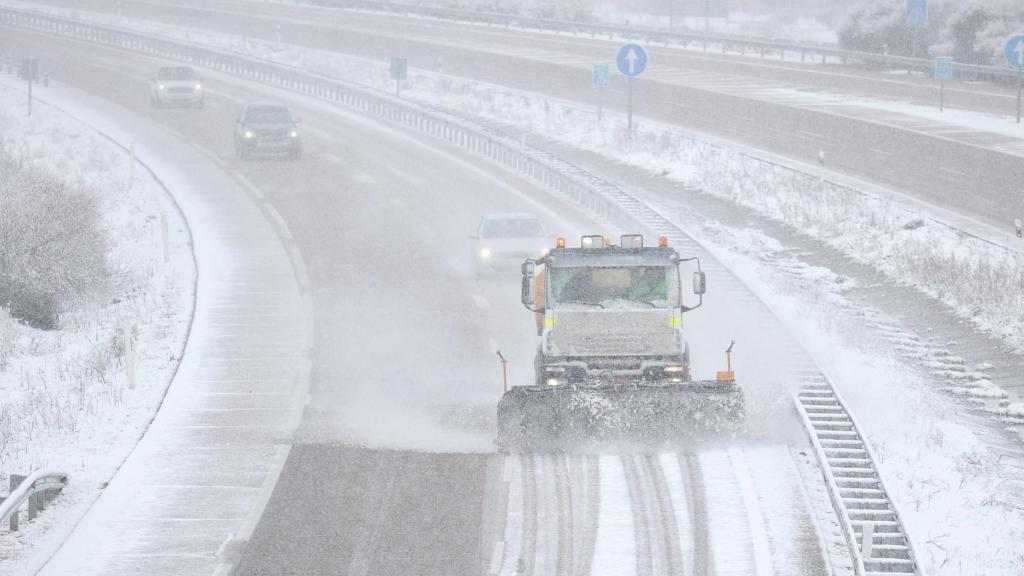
point(267, 130)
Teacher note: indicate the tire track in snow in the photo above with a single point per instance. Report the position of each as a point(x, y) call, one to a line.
point(641, 528)
point(565, 523)
point(528, 551)
point(690, 468)
point(669, 525)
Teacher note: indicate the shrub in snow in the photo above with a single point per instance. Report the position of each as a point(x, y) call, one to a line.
point(52, 244)
point(880, 26)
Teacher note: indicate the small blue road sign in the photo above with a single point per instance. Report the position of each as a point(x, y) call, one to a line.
point(944, 68)
point(1015, 51)
point(917, 13)
point(600, 77)
point(632, 60)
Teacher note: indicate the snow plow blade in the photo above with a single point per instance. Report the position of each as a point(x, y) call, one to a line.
point(577, 416)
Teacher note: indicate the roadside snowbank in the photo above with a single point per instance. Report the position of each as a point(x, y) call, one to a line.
point(65, 399)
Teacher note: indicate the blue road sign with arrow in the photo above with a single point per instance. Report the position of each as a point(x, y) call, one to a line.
point(632, 60)
point(917, 13)
point(1015, 51)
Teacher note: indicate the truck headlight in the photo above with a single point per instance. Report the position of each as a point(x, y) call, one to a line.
point(161, 87)
point(486, 253)
point(199, 87)
point(544, 251)
point(673, 369)
point(248, 134)
point(293, 134)
point(553, 381)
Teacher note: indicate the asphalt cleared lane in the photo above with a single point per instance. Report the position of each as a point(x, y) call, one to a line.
point(403, 328)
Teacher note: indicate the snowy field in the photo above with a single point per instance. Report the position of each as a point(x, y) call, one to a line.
point(66, 402)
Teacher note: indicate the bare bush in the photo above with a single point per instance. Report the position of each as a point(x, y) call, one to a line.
point(52, 242)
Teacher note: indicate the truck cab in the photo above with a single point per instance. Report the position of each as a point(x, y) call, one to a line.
point(610, 313)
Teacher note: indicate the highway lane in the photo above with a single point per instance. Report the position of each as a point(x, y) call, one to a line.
point(967, 170)
point(381, 221)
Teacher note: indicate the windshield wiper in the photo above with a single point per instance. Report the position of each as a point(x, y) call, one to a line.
point(649, 304)
point(582, 303)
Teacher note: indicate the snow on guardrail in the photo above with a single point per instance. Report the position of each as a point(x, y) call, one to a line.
point(36, 490)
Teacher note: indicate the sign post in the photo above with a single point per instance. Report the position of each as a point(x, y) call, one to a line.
point(399, 72)
point(1015, 56)
point(631, 61)
point(30, 73)
point(943, 72)
point(599, 79)
point(917, 18)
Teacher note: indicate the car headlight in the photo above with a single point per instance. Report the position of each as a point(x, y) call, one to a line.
point(199, 87)
point(161, 87)
point(248, 134)
point(486, 253)
point(293, 134)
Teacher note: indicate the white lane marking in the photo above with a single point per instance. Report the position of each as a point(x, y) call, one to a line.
point(278, 221)
point(677, 493)
point(299, 265)
point(758, 528)
point(253, 190)
point(496, 555)
point(209, 154)
point(480, 301)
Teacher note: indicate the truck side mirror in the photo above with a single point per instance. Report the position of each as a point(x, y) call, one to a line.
point(529, 283)
point(700, 283)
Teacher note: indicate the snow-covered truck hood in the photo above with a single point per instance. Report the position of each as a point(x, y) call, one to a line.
point(612, 333)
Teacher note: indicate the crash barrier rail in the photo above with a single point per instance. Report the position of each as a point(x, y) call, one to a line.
point(39, 489)
point(874, 531)
point(727, 43)
point(598, 196)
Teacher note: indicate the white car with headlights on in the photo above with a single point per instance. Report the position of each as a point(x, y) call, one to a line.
point(177, 86)
point(503, 241)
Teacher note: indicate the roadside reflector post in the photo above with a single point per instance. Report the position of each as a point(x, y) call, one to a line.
point(164, 238)
point(867, 540)
point(16, 480)
point(127, 332)
point(1020, 227)
point(504, 372)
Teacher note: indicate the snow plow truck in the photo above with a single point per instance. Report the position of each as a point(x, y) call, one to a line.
point(613, 365)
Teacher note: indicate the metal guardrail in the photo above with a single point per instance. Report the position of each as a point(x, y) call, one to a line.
point(727, 43)
point(855, 487)
point(38, 489)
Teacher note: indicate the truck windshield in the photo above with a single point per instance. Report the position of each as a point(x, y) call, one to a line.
point(612, 287)
point(186, 74)
point(268, 115)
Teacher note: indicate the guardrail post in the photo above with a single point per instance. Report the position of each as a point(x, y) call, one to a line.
point(867, 540)
point(33, 506)
point(16, 480)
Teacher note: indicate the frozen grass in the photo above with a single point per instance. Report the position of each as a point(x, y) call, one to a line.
point(65, 400)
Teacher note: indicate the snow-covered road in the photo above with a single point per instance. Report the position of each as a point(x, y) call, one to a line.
point(387, 353)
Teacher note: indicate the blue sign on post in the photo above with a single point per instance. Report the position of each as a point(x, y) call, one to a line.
point(632, 60)
point(600, 77)
point(1015, 51)
point(944, 68)
point(917, 13)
